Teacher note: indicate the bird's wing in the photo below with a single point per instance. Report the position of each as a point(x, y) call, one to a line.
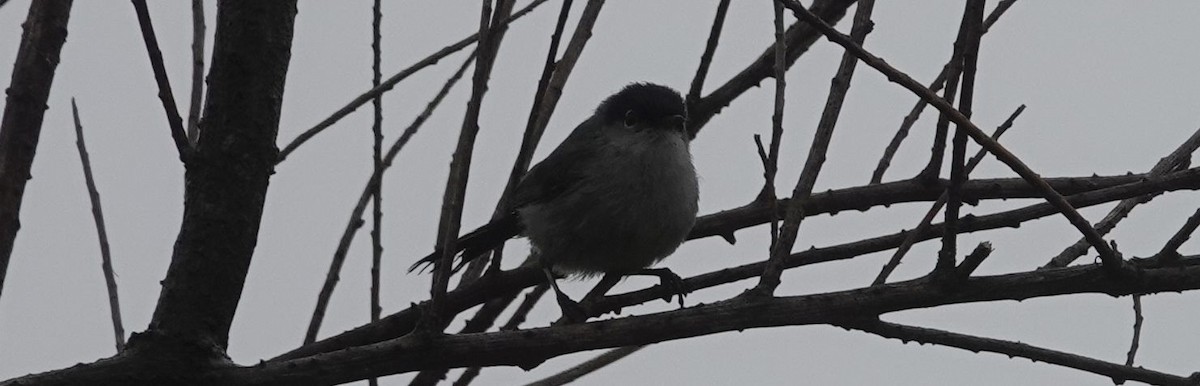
point(561, 171)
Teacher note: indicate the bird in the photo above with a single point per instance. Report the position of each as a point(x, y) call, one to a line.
point(618, 195)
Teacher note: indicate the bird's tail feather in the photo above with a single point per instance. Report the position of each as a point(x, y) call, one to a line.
point(476, 243)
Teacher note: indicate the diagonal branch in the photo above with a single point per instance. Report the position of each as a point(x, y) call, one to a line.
point(164, 84)
point(969, 41)
point(906, 124)
point(1182, 155)
point(356, 216)
point(799, 37)
point(193, 128)
point(710, 48)
point(590, 366)
point(110, 281)
point(1108, 257)
point(44, 31)
point(391, 83)
point(460, 164)
point(903, 249)
point(1119, 373)
point(1170, 250)
point(816, 153)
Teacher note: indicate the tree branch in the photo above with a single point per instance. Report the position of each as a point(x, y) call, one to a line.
point(391, 82)
point(227, 178)
point(45, 30)
point(1119, 373)
point(1111, 260)
point(527, 348)
point(164, 85)
point(110, 281)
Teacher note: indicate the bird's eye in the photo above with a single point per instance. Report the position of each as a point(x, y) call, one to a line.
point(630, 119)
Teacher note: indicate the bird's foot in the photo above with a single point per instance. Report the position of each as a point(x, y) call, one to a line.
point(572, 311)
point(669, 280)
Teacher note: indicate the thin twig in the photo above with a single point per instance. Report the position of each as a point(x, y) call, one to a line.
point(1113, 263)
point(969, 38)
point(972, 343)
point(555, 74)
point(588, 367)
point(710, 48)
point(972, 261)
point(1137, 330)
point(771, 163)
point(110, 281)
point(906, 124)
point(391, 82)
point(1170, 250)
point(550, 96)
point(193, 128)
point(356, 221)
point(800, 36)
point(903, 249)
point(838, 88)
point(460, 165)
point(377, 161)
point(160, 76)
point(529, 142)
point(1182, 155)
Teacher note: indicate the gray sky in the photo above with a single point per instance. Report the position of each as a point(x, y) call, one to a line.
point(1110, 88)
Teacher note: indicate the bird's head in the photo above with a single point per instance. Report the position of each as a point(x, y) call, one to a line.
point(642, 106)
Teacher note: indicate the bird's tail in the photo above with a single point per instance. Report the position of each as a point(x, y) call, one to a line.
point(475, 244)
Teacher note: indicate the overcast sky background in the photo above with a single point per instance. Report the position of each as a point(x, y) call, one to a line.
point(1110, 87)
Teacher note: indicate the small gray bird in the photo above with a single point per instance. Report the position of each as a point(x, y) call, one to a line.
point(617, 196)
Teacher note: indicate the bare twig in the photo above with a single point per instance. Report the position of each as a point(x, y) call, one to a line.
point(1170, 250)
point(972, 343)
point(800, 36)
point(969, 39)
point(110, 281)
point(44, 31)
point(1137, 330)
point(460, 164)
point(588, 367)
point(391, 82)
point(906, 124)
point(1180, 156)
point(356, 217)
point(972, 261)
point(816, 153)
point(710, 48)
point(545, 102)
point(771, 163)
point(164, 84)
point(193, 128)
point(903, 249)
point(377, 161)
point(1113, 263)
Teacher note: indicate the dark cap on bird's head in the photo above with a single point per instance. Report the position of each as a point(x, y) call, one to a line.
point(644, 102)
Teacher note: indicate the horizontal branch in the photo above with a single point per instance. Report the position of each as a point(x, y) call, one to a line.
point(862, 198)
point(528, 348)
point(507, 282)
point(1118, 372)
